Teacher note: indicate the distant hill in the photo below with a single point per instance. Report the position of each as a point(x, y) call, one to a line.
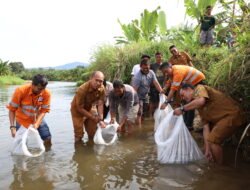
point(70, 66)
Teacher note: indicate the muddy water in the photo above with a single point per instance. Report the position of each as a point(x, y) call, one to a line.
point(131, 163)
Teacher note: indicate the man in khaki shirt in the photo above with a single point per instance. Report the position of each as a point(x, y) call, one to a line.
point(87, 106)
point(220, 114)
point(179, 58)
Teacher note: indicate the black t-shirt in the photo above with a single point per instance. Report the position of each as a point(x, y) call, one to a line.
point(159, 75)
point(207, 22)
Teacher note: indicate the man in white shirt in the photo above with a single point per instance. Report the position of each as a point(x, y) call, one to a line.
point(137, 67)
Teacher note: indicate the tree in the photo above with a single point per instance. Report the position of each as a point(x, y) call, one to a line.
point(150, 26)
point(16, 67)
point(195, 9)
point(4, 68)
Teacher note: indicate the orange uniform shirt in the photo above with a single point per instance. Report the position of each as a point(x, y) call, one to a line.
point(184, 74)
point(27, 105)
point(182, 59)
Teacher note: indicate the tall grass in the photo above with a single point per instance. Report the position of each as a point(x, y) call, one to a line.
point(117, 61)
point(226, 69)
point(10, 80)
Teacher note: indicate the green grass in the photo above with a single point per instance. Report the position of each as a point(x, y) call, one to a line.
point(10, 80)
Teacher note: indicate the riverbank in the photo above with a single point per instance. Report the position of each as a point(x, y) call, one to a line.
point(10, 80)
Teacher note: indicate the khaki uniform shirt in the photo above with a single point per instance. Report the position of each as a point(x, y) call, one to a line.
point(182, 59)
point(87, 97)
point(217, 106)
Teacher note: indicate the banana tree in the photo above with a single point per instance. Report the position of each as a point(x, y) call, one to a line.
point(131, 31)
point(195, 9)
point(148, 24)
point(4, 68)
point(148, 28)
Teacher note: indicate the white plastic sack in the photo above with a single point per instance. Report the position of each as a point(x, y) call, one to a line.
point(107, 135)
point(174, 142)
point(20, 145)
point(159, 114)
point(108, 118)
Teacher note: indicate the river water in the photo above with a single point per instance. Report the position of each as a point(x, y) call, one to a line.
point(131, 163)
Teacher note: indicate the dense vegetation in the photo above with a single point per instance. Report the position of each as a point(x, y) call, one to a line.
point(15, 73)
point(227, 69)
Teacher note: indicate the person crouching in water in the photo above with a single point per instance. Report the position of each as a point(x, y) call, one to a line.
point(123, 98)
point(220, 114)
point(29, 105)
point(87, 106)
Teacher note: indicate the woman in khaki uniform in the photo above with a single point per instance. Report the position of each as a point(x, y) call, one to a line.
point(220, 114)
point(87, 106)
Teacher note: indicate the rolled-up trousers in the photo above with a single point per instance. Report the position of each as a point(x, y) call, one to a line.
point(79, 122)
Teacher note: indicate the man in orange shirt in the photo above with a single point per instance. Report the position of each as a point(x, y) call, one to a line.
point(28, 106)
point(87, 106)
point(179, 58)
point(177, 75)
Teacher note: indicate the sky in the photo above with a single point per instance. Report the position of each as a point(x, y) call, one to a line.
point(41, 33)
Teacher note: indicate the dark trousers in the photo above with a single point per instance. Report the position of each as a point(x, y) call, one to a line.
point(189, 118)
point(105, 111)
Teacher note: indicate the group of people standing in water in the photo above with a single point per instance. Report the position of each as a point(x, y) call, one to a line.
point(178, 79)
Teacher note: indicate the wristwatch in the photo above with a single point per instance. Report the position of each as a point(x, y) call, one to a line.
point(12, 126)
point(182, 108)
point(167, 102)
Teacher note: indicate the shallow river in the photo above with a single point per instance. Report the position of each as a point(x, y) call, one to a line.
point(131, 163)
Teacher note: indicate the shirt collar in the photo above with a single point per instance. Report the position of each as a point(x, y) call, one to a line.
point(30, 90)
point(176, 56)
point(90, 89)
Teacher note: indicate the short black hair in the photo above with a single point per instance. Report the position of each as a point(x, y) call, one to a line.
point(158, 53)
point(104, 82)
point(145, 62)
point(165, 65)
point(209, 7)
point(40, 79)
point(172, 46)
point(118, 84)
point(186, 86)
point(145, 56)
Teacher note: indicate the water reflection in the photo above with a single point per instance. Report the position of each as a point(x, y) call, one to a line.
point(128, 164)
point(178, 176)
point(30, 169)
point(131, 163)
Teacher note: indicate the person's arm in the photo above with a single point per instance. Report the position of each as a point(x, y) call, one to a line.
point(45, 108)
point(156, 83)
point(189, 60)
point(100, 109)
point(213, 22)
point(129, 105)
point(81, 93)
point(112, 117)
point(39, 120)
point(13, 106)
point(166, 86)
point(196, 103)
point(208, 152)
point(135, 83)
point(112, 107)
point(12, 117)
point(158, 86)
point(169, 98)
